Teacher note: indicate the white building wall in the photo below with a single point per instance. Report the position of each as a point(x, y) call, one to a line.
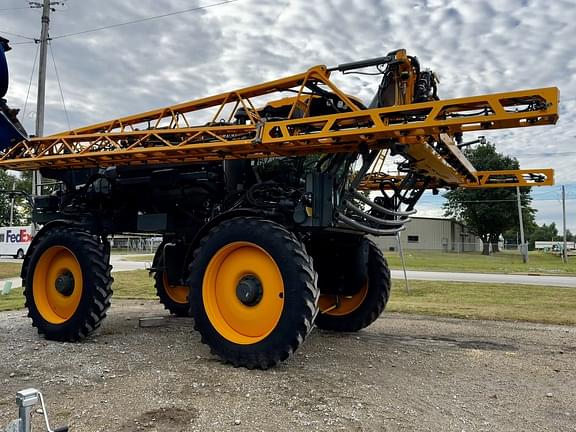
point(433, 234)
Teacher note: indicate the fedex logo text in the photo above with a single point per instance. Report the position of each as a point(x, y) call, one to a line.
point(18, 237)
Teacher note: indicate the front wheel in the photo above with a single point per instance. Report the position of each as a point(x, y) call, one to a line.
point(67, 283)
point(255, 296)
point(355, 312)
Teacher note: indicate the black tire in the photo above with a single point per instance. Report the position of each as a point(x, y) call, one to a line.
point(19, 254)
point(294, 274)
point(174, 305)
point(91, 261)
point(371, 306)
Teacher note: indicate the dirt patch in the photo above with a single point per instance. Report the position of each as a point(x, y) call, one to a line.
point(167, 419)
point(403, 373)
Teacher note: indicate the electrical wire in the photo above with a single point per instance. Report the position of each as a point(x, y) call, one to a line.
point(547, 154)
point(14, 8)
point(17, 35)
point(144, 19)
point(59, 85)
point(30, 83)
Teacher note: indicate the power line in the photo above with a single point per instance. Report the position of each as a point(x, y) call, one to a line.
point(145, 19)
point(568, 153)
point(59, 85)
point(14, 8)
point(18, 35)
point(30, 83)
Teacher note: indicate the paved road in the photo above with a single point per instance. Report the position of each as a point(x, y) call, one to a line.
point(524, 279)
point(119, 264)
point(117, 261)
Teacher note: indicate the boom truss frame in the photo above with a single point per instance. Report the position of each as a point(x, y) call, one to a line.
point(422, 132)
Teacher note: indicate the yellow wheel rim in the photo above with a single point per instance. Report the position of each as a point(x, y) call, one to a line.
point(57, 284)
point(233, 268)
point(177, 293)
point(347, 305)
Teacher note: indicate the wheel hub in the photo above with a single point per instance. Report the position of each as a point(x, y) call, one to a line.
point(249, 290)
point(65, 284)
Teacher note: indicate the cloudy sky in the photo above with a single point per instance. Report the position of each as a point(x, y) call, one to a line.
point(475, 47)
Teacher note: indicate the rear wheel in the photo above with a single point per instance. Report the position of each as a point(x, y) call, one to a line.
point(19, 254)
point(173, 297)
point(67, 284)
point(357, 311)
point(256, 295)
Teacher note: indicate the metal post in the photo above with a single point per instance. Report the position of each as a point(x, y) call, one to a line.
point(12, 205)
point(401, 250)
point(36, 177)
point(523, 245)
point(564, 250)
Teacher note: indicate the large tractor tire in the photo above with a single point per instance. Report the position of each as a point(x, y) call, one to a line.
point(254, 296)
point(67, 284)
point(173, 297)
point(353, 313)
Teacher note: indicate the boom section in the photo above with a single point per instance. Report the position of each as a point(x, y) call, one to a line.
point(172, 135)
point(484, 180)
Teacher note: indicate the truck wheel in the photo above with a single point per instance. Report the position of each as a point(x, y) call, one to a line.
point(350, 314)
point(173, 297)
point(19, 254)
point(67, 284)
point(258, 296)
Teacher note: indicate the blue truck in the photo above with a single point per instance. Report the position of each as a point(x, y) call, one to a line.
point(11, 131)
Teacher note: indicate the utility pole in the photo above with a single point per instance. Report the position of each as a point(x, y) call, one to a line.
point(523, 245)
point(564, 249)
point(36, 177)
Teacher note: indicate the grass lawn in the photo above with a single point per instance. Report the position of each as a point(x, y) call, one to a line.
point(501, 262)
point(139, 258)
point(486, 301)
point(127, 285)
point(12, 301)
point(136, 284)
point(8, 270)
point(452, 299)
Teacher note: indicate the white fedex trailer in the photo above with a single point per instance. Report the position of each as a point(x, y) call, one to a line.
point(14, 240)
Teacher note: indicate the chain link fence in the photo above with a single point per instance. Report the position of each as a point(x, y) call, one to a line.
point(135, 244)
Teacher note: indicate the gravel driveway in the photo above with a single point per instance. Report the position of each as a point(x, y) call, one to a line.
point(404, 373)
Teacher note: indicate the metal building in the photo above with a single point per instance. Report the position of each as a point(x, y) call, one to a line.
point(438, 234)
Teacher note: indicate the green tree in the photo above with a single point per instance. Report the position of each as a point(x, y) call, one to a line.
point(488, 213)
point(548, 233)
point(21, 209)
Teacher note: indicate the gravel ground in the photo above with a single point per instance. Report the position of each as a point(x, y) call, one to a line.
point(404, 373)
